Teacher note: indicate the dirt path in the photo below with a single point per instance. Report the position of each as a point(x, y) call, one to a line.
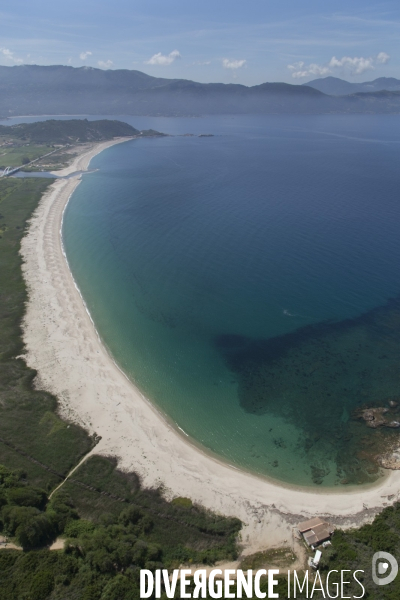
point(58, 544)
point(72, 471)
point(9, 546)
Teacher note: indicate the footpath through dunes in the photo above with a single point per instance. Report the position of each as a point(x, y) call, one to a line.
point(64, 347)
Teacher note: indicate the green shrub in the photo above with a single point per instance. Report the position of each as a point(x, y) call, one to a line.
point(9, 478)
point(42, 585)
point(130, 515)
point(92, 592)
point(378, 536)
point(27, 496)
point(120, 588)
point(14, 516)
point(75, 529)
point(182, 502)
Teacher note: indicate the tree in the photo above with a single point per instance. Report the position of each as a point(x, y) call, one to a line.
point(42, 585)
point(27, 496)
point(35, 532)
point(120, 588)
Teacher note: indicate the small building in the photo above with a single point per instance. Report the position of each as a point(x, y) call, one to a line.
point(315, 531)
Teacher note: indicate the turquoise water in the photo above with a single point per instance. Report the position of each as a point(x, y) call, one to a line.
point(242, 281)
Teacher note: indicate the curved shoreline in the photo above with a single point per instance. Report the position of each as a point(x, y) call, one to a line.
point(63, 345)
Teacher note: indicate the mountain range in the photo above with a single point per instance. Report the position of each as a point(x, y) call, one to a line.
point(339, 87)
point(58, 89)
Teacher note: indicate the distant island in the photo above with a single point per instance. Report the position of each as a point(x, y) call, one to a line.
point(58, 90)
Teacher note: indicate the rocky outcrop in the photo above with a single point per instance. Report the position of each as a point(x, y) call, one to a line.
point(391, 460)
point(381, 416)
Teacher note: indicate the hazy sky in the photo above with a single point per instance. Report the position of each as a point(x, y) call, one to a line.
point(247, 42)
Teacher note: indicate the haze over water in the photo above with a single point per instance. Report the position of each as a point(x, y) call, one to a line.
point(199, 258)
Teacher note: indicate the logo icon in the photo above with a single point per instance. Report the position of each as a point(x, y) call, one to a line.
point(382, 563)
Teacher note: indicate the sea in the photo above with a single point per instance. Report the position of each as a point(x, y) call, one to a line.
point(244, 272)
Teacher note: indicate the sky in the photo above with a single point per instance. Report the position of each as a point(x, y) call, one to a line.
point(235, 41)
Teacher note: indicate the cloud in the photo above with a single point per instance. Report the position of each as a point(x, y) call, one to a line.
point(382, 58)
point(10, 56)
point(202, 62)
point(162, 59)
point(356, 65)
point(350, 65)
point(85, 55)
point(300, 70)
point(233, 64)
point(105, 64)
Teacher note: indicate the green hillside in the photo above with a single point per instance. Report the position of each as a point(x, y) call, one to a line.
point(68, 131)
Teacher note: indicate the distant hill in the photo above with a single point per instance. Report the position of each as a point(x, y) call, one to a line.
point(55, 90)
point(339, 87)
point(70, 131)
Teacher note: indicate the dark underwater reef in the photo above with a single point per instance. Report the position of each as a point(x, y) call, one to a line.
point(318, 377)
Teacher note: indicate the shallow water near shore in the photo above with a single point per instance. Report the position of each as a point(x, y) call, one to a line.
point(242, 281)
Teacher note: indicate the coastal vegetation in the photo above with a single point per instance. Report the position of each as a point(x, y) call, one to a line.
point(353, 549)
point(31, 433)
point(68, 131)
point(102, 553)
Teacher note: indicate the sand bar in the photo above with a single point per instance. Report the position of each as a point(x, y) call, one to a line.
point(63, 346)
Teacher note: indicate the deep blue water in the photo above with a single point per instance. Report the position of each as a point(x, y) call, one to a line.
point(197, 257)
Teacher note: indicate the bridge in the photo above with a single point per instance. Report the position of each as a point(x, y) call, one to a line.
point(9, 171)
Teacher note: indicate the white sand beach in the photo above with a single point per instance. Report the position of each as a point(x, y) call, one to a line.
point(63, 345)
